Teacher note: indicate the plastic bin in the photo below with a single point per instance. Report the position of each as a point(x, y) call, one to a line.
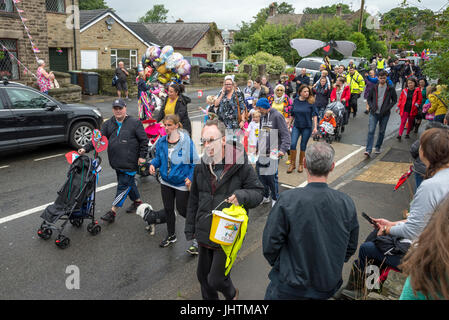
point(74, 76)
point(90, 82)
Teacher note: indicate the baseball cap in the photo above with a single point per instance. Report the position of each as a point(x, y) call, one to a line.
point(119, 103)
point(263, 103)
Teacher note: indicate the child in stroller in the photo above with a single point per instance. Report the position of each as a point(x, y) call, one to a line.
point(75, 201)
point(327, 126)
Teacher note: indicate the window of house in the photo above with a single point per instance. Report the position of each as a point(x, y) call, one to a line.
point(9, 66)
point(129, 58)
point(6, 6)
point(216, 55)
point(55, 6)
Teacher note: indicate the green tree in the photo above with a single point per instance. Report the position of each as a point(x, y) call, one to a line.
point(328, 9)
point(362, 46)
point(92, 4)
point(249, 28)
point(156, 15)
point(274, 39)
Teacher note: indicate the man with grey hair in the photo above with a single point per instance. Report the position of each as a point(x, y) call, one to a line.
point(310, 233)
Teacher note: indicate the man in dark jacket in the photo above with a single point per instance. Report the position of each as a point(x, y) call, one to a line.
point(381, 99)
point(310, 233)
point(302, 79)
point(223, 174)
point(275, 138)
point(127, 148)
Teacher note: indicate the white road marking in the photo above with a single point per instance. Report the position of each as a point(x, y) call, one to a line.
point(339, 162)
point(49, 157)
point(4, 167)
point(40, 208)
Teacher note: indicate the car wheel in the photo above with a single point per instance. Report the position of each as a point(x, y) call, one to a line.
point(80, 134)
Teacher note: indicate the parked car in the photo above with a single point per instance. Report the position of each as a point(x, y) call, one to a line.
point(205, 66)
point(312, 66)
point(218, 66)
point(30, 118)
point(358, 62)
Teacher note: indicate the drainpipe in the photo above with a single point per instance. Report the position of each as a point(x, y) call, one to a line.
point(74, 35)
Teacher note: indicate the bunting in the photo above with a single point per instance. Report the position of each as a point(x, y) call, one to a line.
point(23, 19)
point(11, 56)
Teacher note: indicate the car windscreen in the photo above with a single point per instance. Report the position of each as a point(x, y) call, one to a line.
point(309, 64)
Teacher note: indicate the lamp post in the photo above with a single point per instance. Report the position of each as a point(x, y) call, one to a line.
point(225, 35)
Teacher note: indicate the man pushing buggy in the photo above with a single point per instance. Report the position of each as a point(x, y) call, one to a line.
point(127, 149)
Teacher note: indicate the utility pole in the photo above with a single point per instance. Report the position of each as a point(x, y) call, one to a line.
point(361, 15)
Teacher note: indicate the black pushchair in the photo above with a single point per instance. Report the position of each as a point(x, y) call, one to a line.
point(338, 109)
point(75, 201)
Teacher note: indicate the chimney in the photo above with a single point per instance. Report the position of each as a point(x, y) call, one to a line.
point(272, 11)
point(179, 21)
point(338, 10)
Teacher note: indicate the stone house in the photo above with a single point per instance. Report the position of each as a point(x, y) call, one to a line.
point(190, 38)
point(51, 28)
point(106, 39)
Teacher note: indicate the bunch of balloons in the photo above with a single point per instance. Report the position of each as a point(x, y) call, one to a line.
point(164, 65)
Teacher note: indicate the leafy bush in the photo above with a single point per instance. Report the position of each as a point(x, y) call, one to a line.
point(275, 64)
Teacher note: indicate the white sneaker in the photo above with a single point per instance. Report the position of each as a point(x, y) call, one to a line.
point(273, 202)
point(266, 200)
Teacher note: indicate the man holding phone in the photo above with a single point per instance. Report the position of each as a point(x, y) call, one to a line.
point(308, 264)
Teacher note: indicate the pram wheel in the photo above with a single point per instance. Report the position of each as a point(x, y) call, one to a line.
point(93, 228)
point(44, 233)
point(62, 242)
point(76, 222)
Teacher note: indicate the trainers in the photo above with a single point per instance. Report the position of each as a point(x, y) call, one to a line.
point(273, 202)
point(167, 241)
point(193, 250)
point(407, 136)
point(266, 200)
point(399, 138)
point(367, 153)
point(133, 207)
point(109, 216)
point(377, 151)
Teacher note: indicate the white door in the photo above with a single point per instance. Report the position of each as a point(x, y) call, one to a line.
point(89, 59)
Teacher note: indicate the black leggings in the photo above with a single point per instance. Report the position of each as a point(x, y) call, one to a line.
point(169, 195)
point(211, 274)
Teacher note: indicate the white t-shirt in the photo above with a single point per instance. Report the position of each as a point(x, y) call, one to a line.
point(253, 129)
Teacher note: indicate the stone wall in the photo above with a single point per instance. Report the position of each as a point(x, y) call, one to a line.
point(204, 47)
point(67, 92)
point(99, 38)
point(60, 34)
point(11, 27)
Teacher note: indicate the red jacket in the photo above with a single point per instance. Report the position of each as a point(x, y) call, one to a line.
point(416, 101)
point(345, 95)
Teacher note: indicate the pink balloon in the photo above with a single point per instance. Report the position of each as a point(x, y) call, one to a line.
point(183, 68)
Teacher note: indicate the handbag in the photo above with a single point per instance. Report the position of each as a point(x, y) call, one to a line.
point(114, 80)
point(392, 245)
point(239, 115)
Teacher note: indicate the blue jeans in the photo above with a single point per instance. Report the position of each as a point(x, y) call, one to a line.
point(418, 179)
point(296, 133)
point(369, 254)
point(373, 120)
point(269, 182)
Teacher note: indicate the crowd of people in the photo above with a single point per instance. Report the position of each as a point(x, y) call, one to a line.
point(245, 133)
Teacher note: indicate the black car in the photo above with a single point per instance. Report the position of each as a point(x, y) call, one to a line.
point(30, 118)
point(205, 66)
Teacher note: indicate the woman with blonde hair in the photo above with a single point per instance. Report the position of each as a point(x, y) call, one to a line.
point(44, 78)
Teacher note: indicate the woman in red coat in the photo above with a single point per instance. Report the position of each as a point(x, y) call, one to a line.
point(408, 104)
point(342, 93)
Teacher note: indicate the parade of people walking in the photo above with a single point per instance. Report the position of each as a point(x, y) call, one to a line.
point(408, 104)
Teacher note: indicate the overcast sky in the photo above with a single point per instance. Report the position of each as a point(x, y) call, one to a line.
point(230, 13)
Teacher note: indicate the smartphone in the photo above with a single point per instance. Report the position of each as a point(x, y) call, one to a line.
point(369, 219)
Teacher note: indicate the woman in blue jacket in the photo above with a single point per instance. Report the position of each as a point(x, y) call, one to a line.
point(175, 157)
